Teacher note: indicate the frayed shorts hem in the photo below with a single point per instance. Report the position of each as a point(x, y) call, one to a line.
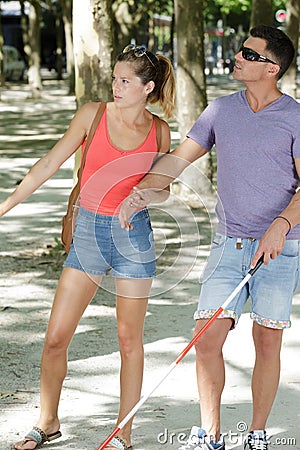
point(270, 323)
point(225, 314)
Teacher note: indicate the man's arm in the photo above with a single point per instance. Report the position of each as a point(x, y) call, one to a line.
point(170, 166)
point(165, 170)
point(272, 242)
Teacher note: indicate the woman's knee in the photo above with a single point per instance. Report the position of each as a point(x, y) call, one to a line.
point(130, 341)
point(55, 343)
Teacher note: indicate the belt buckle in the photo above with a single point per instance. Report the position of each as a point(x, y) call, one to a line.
point(239, 244)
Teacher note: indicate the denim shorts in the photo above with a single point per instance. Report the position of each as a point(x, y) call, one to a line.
point(101, 247)
point(271, 287)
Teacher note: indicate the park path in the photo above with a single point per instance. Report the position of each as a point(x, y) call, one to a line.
point(30, 265)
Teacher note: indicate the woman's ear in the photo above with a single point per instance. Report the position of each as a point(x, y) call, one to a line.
point(149, 87)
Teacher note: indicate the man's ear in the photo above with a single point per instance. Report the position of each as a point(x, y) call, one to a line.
point(274, 69)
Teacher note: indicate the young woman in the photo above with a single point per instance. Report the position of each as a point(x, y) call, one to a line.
point(123, 149)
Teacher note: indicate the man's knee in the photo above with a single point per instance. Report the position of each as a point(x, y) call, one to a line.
point(211, 342)
point(267, 341)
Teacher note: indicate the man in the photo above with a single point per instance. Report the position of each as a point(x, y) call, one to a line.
point(257, 136)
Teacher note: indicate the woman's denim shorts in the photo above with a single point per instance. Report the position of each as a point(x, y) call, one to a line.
point(271, 288)
point(101, 247)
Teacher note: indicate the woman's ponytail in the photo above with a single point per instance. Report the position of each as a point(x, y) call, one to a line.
point(165, 90)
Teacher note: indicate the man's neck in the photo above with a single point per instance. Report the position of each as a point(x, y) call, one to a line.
point(259, 99)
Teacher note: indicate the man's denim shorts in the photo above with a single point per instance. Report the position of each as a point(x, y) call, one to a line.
point(271, 288)
point(101, 247)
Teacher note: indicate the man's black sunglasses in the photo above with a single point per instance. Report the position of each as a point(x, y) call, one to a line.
point(252, 55)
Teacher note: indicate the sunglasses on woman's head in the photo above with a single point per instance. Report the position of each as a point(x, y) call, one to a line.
point(138, 51)
point(252, 55)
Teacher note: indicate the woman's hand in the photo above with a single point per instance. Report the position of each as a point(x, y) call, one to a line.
point(125, 212)
point(138, 199)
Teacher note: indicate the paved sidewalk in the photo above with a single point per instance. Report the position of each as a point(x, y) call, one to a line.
point(89, 402)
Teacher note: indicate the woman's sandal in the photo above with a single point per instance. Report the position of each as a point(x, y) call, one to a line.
point(118, 443)
point(39, 437)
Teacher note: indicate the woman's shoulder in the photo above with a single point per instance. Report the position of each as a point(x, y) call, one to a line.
point(89, 108)
point(163, 134)
point(163, 123)
point(87, 112)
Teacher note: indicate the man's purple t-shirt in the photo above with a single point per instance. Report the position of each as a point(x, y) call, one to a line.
point(256, 175)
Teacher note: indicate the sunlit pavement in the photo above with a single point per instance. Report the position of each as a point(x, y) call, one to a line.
point(89, 402)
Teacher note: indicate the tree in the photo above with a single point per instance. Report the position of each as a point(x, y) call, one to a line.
point(34, 49)
point(289, 81)
point(66, 6)
point(261, 12)
point(1, 53)
point(191, 81)
point(24, 28)
point(56, 10)
point(31, 36)
point(135, 21)
point(93, 48)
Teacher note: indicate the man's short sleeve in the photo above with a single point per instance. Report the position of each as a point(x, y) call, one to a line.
point(202, 131)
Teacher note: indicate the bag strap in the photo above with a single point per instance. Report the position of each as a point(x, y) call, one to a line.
point(158, 131)
point(89, 139)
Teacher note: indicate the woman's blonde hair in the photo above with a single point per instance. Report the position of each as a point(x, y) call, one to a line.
point(156, 68)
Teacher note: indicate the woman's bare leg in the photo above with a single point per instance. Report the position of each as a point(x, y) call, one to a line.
point(132, 300)
point(74, 292)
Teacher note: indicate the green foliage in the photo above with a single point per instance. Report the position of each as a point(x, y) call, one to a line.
point(148, 7)
point(239, 6)
point(233, 12)
point(236, 6)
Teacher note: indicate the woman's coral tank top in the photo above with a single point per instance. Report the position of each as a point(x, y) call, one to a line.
point(110, 174)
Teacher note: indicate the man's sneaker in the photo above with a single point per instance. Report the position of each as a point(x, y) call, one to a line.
point(198, 440)
point(256, 440)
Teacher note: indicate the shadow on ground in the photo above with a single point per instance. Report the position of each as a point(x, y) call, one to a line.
point(30, 264)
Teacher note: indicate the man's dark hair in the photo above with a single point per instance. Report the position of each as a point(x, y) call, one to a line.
point(278, 43)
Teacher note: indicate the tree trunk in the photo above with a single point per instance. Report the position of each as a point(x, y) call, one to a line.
point(93, 47)
point(2, 79)
point(34, 35)
point(59, 44)
point(261, 12)
point(191, 84)
point(24, 27)
point(66, 6)
point(289, 80)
